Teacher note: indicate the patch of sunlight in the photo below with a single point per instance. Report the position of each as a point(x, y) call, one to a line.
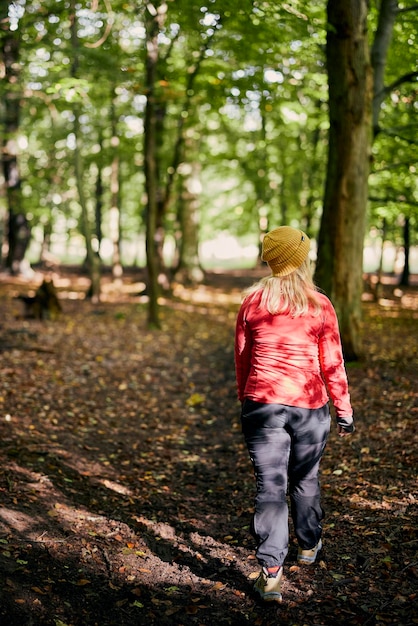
point(409, 301)
point(68, 513)
point(18, 520)
point(385, 302)
point(200, 546)
point(226, 247)
point(204, 295)
point(386, 504)
point(109, 484)
point(192, 459)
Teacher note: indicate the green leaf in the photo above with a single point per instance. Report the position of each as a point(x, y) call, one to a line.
point(138, 604)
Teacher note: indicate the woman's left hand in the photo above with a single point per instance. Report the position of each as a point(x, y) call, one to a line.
point(345, 426)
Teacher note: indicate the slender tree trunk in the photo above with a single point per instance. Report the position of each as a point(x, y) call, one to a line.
point(380, 268)
point(311, 176)
point(406, 245)
point(99, 197)
point(155, 13)
point(340, 243)
point(282, 196)
point(114, 218)
point(189, 270)
point(188, 254)
point(93, 260)
point(382, 39)
point(46, 243)
point(18, 233)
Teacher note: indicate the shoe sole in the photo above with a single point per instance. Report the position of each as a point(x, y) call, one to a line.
point(270, 597)
point(310, 560)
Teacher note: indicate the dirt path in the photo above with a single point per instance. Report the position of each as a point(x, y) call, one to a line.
point(126, 492)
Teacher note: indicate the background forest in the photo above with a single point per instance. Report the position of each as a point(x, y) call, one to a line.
point(173, 135)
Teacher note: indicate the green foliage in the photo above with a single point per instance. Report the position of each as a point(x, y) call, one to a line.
point(256, 110)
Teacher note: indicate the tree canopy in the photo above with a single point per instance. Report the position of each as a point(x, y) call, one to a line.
point(239, 116)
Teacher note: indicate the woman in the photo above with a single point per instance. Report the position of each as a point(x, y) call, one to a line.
point(288, 358)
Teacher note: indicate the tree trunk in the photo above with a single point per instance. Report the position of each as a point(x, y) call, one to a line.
point(311, 185)
point(155, 14)
point(114, 218)
point(383, 37)
point(406, 245)
point(189, 270)
point(99, 197)
point(93, 259)
point(378, 289)
point(18, 234)
point(340, 243)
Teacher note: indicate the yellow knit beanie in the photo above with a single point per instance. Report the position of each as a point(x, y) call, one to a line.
point(285, 249)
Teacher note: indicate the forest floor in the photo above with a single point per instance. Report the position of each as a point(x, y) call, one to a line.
point(125, 488)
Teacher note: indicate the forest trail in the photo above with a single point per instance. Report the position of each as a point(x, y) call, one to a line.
point(126, 490)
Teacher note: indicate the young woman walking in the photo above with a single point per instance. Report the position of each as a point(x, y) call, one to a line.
point(289, 362)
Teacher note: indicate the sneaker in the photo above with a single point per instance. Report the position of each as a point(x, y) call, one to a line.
point(308, 557)
point(268, 587)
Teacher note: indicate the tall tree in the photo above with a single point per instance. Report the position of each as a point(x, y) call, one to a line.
point(188, 255)
point(93, 260)
point(155, 14)
point(385, 84)
point(114, 214)
point(379, 52)
point(188, 268)
point(340, 242)
point(18, 232)
point(388, 12)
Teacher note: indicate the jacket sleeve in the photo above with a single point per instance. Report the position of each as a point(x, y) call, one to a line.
point(243, 348)
point(332, 363)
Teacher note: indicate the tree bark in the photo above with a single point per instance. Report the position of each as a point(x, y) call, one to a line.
point(114, 218)
point(340, 242)
point(382, 39)
point(155, 13)
point(406, 246)
point(99, 196)
point(93, 259)
point(18, 233)
point(189, 270)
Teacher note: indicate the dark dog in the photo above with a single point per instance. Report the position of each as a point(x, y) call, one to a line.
point(44, 304)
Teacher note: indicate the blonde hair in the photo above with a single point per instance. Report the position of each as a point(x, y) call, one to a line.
point(294, 293)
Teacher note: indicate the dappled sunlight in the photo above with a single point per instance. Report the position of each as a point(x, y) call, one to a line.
point(85, 538)
point(407, 302)
point(23, 523)
point(117, 487)
point(391, 297)
point(126, 485)
point(119, 291)
point(395, 505)
point(59, 515)
point(205, 295)
point(200, 546)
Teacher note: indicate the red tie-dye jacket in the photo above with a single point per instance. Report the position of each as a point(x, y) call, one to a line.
point(296, 361)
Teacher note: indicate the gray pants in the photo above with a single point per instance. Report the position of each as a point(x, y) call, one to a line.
point(285, 445)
